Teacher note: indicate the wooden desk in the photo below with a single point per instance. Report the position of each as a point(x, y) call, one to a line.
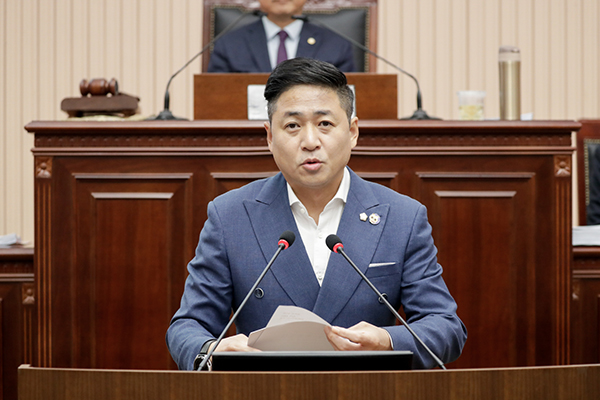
point(581, 382)
point(119, 207)
point(585, 309)
point(16, 315)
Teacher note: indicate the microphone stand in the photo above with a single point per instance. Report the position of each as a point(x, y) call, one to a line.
point(335, 244)
point(166, 114)
point(419, 113)
point(286, 240)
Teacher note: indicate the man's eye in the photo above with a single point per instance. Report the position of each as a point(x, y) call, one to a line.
point(292, 125)
point(325, 123)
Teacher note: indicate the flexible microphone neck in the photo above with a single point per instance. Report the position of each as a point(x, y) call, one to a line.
point(335, 244)
point(285, 240)
point(166, 114)
point(419, 113)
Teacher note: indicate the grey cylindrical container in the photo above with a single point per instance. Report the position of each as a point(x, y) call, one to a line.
point(509, 60)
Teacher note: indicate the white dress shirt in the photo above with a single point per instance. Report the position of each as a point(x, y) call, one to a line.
point(313, 235)
point(291, 44)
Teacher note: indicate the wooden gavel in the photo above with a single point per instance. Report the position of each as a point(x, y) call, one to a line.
point(99, 87)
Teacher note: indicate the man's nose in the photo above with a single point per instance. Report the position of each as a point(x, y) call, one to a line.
point(310, 138)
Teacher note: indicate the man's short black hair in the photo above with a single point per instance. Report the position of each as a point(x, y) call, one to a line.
point(307, 71)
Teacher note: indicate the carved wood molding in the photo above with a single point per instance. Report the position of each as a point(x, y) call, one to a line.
point(366, 139)
point(586, 264)
point(150, 141)
point(28, 296)
point(586, 274)
point(243, 175)
point(562, 165)
point(16, 264)
point(402, 139)
point(24, 269)
point(43, 271)
point(43, 167)
point(563, 256)
point(475, 175)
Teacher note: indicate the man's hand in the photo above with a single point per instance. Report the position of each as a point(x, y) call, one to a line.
point(362, 336)
point(234, 343)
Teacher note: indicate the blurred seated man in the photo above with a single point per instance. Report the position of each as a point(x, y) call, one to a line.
point(593, 208)
point(260, 46)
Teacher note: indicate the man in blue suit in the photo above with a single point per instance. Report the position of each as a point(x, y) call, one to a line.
point(311, 133)
point(256, 46)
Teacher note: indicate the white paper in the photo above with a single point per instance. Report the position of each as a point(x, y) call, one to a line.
point(292, 328)
point(586, 235)
point(257, 104)
point(12, 239)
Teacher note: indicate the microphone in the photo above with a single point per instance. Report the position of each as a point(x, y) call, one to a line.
point(335, 244)
point(166, 114)
point(285, 240)
point(419, 112)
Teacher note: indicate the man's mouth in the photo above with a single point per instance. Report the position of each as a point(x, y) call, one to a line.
point(312, 163)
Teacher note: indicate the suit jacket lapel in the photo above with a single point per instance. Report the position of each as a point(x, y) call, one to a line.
point(304, 48)
point(257, 42)
point(360, 239)
point(270, 215)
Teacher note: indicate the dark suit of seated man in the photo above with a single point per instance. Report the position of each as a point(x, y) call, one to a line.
point(593, 208)
point(255, 47)
point(311, 134)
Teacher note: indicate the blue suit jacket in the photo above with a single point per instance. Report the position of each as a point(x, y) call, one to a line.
point(240, 236)
point(245, 49)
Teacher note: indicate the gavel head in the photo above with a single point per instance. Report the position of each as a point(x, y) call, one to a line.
point(99, 87)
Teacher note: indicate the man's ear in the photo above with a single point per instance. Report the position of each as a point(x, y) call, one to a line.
point(269, 134)
point(354, 131)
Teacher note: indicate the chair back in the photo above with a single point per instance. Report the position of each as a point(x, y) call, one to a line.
point(588, 143)
point(354, 18)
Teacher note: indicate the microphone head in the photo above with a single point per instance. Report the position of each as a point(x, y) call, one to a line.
point(286, 239)
point(334, 243)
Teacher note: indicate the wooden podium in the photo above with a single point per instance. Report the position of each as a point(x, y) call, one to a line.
point(120, 205)
point(573, 383)
point(224, 96)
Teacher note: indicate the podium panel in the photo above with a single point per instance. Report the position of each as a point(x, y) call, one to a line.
point(548, 383)
point(224, 96)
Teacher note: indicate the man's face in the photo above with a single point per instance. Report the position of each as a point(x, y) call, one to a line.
point(282, 7)
point(311, 139)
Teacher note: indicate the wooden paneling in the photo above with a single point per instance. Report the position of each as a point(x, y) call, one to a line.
point(120, 207)
point(129, 227)
point(585, 311)
point(485, 213)
point(580, 382)
point(16, 316)
point(488, 219)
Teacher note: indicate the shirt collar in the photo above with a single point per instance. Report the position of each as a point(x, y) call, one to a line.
point(342, 192)
point(272, 29)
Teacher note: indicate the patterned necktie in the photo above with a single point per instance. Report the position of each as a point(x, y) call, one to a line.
point(282, 53)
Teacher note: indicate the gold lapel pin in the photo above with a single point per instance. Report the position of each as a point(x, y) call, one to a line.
point(363, 217)
point(311, 41)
